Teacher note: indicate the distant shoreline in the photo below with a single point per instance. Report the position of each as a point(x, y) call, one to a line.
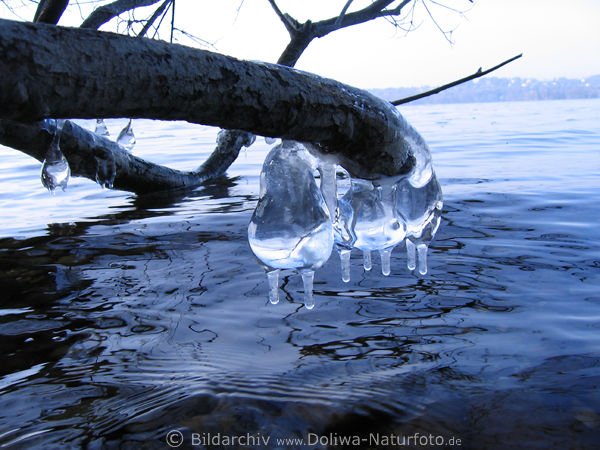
point(493, 89)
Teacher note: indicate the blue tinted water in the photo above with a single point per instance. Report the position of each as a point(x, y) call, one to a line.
point(124, 317)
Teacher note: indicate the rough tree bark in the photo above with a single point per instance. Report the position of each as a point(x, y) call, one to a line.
point(64, 73)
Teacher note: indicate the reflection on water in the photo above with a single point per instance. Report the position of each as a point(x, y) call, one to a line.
point(151, 315)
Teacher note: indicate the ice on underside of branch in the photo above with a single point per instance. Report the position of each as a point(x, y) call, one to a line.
point(296, 224)
point(55, 167)
point(126, 138)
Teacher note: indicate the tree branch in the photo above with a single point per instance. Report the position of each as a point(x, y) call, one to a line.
point(82, 148)
point(160, 10)
point(289, 22)
point(394, 11)
point(105, 13)
point(81, 73)
point(324, 27)
point(343, 12)
point(477, 74)
point(50, 11)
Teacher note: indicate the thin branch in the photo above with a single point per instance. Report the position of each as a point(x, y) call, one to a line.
point(160, 10)
point(343, 12)
point(324, 27)
point(105, 13)
point(395, 11)
point(172, 22)
point(289, 22)
point(50, 11)
point(444, 33)
point(477, 74)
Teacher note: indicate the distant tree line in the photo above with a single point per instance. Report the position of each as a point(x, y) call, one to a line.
point(494, 89)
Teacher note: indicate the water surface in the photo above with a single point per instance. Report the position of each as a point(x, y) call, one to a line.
point(124, 317)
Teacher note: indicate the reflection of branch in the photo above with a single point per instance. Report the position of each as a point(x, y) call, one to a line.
point(477, 74)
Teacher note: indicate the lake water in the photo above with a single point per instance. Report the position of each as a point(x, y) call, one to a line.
point(124, 317)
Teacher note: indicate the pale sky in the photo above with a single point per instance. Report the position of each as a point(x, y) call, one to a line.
point(558, 38)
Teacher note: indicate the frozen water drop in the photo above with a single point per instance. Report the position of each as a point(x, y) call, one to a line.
point(101, 128)
point(367, 263)
point(307, 280)
point(371, 216)
point(411, 255)
point(270, 140)
point(345, 262)
point(126, 137)
point(290, 227)
point(55, 168)
point(422, 253)
point(273, 277)
point(385, 255)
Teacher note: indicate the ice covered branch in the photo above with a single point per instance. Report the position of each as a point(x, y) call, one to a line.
point(86, 150)
point(60, 72)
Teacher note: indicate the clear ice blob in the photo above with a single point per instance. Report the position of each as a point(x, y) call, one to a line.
point(270, 140)
point(101, 128)
point(374, 222)
point(126, 137)
point(55, 167)
point(421, 209)
point(290, 227)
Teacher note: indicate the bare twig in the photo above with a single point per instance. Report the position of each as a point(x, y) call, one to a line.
point(343, 12)
point(289, 22)
point(444, 33)
point(160, 10)
point(477, 74)
point(105, 13)
point(395, 11)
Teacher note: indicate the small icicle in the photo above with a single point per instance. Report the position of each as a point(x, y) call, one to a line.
point(367, 264)
point(55, 168)
point(307, 279)
point(422, 252)
point(101, 128)
point(273, 276)
point(385, 255)
point(411, 261)
point(126, 137)
point(345, 261)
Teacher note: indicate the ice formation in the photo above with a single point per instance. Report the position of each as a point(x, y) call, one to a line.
point(126, 137)
point(101, 128)
point(106, 168)
point(290, 227)
point(293, 224)
point(55, 168)
point(421, 209)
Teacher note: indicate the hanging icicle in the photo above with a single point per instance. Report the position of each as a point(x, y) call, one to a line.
point(126, 137)
point(55, 167)
point(290, 227)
